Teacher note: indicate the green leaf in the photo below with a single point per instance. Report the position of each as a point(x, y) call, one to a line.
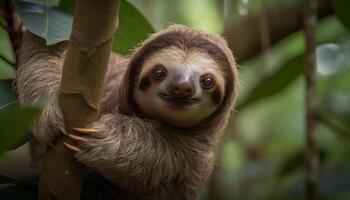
point(133, 29)
point(341, 9)
point(6, 71)
point(67, 5)
point(45, 20)
point(275, 82)
point(14, 125)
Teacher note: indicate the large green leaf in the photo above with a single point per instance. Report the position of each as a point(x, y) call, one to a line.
point(133, 29)
point(275, 82)
point(15, 121)
point(14, 126)
point(45, 20)
point(341, 9)
point(6, 70)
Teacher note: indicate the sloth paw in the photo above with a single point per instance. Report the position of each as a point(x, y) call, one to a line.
point(77, 139)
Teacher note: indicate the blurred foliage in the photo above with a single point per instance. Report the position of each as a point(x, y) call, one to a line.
point(341, 9)
point(275, 82)
point(261, 156)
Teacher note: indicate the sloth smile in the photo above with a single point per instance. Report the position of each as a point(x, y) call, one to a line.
point(178, 101)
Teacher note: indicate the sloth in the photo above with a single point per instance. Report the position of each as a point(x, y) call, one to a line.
point(162, 114)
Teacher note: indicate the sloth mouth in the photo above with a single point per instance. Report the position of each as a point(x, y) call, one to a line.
point(179, 101)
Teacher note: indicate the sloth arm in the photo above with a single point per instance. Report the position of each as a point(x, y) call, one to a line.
point(131, 152)
point(138, 156)
point(38, 75)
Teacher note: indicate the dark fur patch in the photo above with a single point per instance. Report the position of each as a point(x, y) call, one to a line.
point(144, 83)
point(216, 96)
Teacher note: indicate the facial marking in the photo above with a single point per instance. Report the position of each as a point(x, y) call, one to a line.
point(216, 96)
point(144, 83)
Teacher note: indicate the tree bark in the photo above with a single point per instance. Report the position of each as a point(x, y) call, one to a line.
point(311, 149)
point(95, 23)
point(244, 35)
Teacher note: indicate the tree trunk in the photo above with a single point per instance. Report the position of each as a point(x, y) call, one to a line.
point(95, 23)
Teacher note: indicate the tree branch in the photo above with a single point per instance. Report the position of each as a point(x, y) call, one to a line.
point(311, 148)
point(90, 44)
point(243, 35)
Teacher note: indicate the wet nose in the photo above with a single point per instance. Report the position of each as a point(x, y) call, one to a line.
point(181, 89)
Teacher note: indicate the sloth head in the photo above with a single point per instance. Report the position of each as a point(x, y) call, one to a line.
point(182, 76)
point(181, 87)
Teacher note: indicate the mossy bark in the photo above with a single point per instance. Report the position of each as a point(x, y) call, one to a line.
point(95, 23)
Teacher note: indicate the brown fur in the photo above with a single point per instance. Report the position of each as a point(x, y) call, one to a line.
point(144, 156)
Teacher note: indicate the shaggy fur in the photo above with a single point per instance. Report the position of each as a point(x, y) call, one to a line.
point(144, 157)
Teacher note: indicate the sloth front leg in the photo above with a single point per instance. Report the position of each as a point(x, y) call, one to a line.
point(128, 151)
point(38, 75)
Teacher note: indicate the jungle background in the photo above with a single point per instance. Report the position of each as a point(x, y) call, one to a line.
point(262, 154)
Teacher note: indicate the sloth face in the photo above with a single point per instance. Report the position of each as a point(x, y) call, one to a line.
point(180, 87)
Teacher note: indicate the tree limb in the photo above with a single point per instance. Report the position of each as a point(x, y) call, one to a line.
point(311, 148)
point(95, 23)
point(243, 35)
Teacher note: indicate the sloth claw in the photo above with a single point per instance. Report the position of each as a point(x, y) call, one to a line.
point(71, 147)
point(77, 138)
point(86, 130)
point(74, 137)
point(63, 131)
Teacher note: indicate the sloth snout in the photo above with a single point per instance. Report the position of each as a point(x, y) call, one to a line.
point(181, 89)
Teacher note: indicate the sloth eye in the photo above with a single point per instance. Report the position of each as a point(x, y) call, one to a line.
point(207, 82)
point(158, 73)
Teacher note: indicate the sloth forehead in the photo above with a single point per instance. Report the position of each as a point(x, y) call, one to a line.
point(184, 60)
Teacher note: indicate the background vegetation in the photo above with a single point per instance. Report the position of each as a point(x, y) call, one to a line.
point(262, 153)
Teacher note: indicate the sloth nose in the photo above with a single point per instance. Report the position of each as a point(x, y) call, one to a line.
point(181, 89)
